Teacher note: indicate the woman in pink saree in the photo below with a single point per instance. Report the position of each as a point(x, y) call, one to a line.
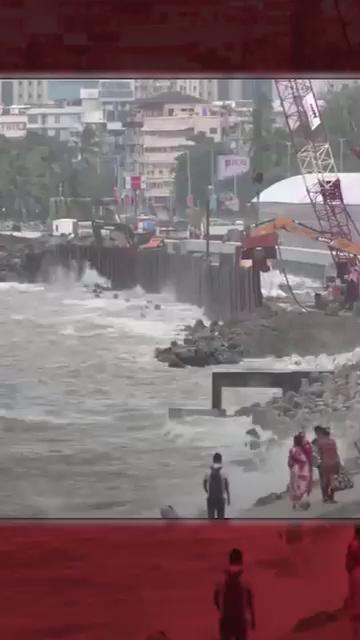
point(300, 467)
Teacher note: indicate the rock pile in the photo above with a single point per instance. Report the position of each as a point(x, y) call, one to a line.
point(272, 331)
point(203, 346)
point(327, 399)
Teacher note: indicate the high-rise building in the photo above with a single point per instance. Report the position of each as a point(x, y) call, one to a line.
point(204, 88)
point(230, 89)
point(254, 87)
point(69, 89)
point(30, 91)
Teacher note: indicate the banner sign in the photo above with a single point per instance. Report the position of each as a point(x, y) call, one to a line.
point(135, 182)
point(311, 110)
point(231, 165)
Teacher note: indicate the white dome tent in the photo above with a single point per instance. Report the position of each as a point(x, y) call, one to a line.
point(289, 198)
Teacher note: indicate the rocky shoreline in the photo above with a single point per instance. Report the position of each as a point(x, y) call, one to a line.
point(273, 331)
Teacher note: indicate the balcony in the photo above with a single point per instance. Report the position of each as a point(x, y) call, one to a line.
point(133, 121)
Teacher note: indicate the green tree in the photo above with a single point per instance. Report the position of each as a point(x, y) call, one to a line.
point(200, 159)
point(341, 116)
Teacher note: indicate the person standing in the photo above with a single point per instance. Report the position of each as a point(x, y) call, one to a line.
point(234, 600)
point(217, 488)
point(308, 450)
point(316, 457)
point(300, 474)
point(352, 565)
point(329, 463)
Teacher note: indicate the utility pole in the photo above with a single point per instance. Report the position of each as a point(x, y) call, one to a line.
point(208, 228)
point(341, 164)
point(188, 172)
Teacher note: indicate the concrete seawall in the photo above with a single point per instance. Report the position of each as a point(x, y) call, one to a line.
point(222, 287)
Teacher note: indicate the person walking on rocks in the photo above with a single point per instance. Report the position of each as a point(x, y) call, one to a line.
point(329, 463)
point(300, 474)
point(217, 488)
point(353, 570)
point(234, 600)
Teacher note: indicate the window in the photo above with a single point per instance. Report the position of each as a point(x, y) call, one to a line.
point(57, 119)
point(30, 96)
point(213, 130)
point(30, 83)
point(33, 119)
point(171, 112)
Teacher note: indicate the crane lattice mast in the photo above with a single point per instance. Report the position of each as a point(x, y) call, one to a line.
point(315, 158)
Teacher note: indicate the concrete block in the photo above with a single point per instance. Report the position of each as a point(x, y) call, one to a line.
point(177, 413)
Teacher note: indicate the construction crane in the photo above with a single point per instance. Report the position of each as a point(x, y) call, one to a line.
point(315, 158)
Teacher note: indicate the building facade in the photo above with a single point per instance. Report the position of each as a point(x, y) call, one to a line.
point(13, 126)
point(68, 89)
point(163, 131)
point(61, 122)
point(30, 91)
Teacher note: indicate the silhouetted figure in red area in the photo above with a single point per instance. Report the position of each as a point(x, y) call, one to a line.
point(353, 569)
point(234, 600)
point(216, 486)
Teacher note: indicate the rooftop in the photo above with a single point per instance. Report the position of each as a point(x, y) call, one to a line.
point(171, 97)
point(292, 190)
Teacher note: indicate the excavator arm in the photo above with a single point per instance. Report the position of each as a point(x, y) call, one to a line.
point(348, 247)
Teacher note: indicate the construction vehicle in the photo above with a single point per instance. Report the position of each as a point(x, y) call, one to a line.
point(313, 151)
point(347, 249)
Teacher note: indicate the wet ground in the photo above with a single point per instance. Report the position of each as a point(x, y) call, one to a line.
point(105, 581)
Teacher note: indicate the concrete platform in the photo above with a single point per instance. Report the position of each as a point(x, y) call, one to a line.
point(177, 413)
point(285, 379)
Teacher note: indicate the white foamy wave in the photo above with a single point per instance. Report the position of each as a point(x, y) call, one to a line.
point(64, 278)
point(19, 286)
point(321, 362)
point(273, 284)
point(92, 277)
point(214, 433)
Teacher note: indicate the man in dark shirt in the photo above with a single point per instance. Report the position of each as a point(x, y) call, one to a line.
point(217, 488)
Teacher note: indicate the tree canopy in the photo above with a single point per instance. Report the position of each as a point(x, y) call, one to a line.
point(37, 168)
point(341, 117)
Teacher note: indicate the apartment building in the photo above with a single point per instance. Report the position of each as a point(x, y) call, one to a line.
point(13, 126)
point(69, 89)
point(204, 88)
point(30, 91)
point(165, 125)
point(61, 122)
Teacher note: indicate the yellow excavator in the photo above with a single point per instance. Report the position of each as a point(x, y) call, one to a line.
point(349, 248)
point(346, 290)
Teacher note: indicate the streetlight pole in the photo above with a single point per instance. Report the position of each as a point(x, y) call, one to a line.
point(208, 208)
point(342, 140)
point(187, 152)
point(289, 159)
point(212, 166)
